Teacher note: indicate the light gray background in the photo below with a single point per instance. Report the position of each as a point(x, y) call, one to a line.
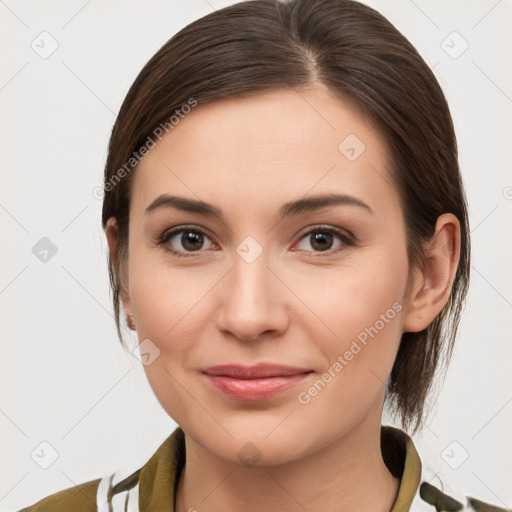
point(65, 378)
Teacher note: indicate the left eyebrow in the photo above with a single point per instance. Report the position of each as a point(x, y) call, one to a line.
point(291, 208)
point(316, 202)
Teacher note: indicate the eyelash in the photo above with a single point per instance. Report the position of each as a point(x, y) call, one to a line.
point(345, 238)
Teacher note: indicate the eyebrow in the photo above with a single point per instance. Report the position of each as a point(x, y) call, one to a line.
point(291, 208)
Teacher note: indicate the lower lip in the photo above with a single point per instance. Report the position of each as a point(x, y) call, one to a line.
point(254, 390)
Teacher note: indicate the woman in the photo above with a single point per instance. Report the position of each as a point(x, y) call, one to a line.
point(289, 239)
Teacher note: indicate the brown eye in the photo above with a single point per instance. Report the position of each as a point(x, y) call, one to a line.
point(323, 240)
point(183, 240)
point(191, 240)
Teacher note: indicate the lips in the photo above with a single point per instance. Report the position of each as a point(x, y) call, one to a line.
point(253, 383)
point(239, 371)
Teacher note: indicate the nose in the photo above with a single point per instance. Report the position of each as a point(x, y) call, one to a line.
point(253, 301)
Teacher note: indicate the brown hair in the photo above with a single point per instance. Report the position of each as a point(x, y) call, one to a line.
point(259, 45)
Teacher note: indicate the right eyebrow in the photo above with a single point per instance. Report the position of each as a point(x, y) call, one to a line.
point(186, 205)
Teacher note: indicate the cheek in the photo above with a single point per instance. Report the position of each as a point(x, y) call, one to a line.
point(357, 294)
point(171, 304)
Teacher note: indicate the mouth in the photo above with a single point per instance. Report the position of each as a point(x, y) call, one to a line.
point(253, 383)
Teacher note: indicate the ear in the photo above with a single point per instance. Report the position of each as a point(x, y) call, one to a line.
point(432, 285)
point(111, 232)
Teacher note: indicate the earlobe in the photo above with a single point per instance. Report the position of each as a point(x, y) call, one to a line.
point(432, 285)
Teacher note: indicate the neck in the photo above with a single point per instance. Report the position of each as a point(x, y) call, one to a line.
point(349, 474)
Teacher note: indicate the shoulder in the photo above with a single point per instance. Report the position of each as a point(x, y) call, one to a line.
point(93, 496)
point(79, 498)
point(121, 490)
point(431, 496)
point(417, 492)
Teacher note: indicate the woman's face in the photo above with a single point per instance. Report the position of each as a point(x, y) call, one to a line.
point(268, 282)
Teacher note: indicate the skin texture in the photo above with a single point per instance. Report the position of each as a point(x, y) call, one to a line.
point(295, 304)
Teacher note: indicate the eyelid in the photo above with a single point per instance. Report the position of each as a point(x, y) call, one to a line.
point(342, 232)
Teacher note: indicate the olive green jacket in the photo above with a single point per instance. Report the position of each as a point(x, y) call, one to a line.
point(152, 487)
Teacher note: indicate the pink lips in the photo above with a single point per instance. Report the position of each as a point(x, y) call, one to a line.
point(254, 383)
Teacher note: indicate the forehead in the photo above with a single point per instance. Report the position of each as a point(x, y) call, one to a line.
point(265, 147)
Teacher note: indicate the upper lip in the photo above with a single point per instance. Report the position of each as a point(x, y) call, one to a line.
point(262, 370)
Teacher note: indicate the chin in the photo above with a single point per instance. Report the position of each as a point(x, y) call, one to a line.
point(263, 452)
point(264, 443)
